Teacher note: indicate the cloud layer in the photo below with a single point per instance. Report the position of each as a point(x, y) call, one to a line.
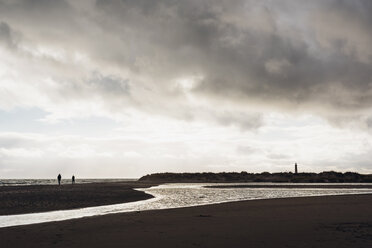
point(221, 63)
point(314, 57)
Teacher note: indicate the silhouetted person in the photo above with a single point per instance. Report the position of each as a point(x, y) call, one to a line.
point(296, 168)
point(73, 179)
point(59, 179)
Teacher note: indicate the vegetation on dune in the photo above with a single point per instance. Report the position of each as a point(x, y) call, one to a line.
point(323, 177)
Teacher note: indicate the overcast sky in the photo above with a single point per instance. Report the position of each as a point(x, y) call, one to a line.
point(126, 88)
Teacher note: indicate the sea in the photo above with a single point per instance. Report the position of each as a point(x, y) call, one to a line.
point(177, 195)
point(26, 182)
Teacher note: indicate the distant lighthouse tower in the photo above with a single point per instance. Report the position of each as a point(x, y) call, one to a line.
point(296, 168)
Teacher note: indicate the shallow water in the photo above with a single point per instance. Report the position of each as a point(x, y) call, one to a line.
point(176, 196)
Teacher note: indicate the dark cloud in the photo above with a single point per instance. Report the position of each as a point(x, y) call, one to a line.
point(282, 65)
point(313, 57)
point(7, 36)
point(110, 84)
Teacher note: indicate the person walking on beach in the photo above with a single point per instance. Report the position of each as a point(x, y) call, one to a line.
point(59, 179)
point(73, 179)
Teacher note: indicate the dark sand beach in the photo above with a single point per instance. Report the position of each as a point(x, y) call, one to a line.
point(41, 198)
point(326, 221)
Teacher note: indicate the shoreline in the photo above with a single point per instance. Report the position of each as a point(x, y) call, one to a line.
point(318, 221)
point(90, 215)
point(16, 200)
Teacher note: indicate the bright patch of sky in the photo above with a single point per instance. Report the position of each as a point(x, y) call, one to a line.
point(142, 144)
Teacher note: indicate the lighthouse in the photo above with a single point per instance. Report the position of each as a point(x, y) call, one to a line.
point(296, 168)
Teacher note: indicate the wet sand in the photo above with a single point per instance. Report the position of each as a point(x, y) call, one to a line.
point(41, 198)
point(326, 221)
point(295, 186)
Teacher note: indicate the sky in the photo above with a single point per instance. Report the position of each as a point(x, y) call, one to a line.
point(121, 89)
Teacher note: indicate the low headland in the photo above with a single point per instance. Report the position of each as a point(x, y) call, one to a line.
point(236, 177)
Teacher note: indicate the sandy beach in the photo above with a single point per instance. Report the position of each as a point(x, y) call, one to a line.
point(41, 198)
point(326, 221)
